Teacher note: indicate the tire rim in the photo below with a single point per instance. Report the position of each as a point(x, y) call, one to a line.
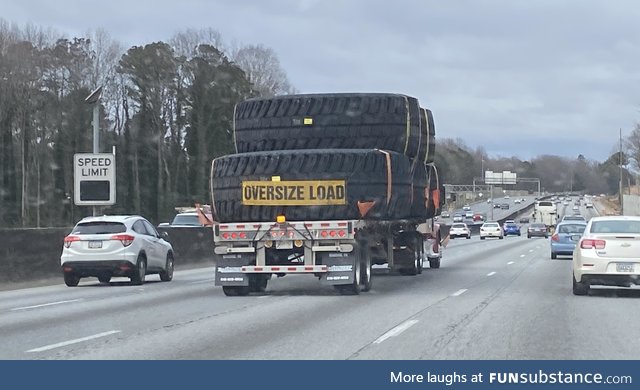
point(170, 267)
point(141, 270)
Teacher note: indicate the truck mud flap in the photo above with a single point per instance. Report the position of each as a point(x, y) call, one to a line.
point(229, 269)
point(340, 267)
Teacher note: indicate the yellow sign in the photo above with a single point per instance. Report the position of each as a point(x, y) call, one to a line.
point(294, 193)
point(307, 121)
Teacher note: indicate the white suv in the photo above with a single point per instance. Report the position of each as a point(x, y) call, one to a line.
point(459, 230)
point(117, 245)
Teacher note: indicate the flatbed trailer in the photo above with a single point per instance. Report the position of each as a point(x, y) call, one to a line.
point(339, 253)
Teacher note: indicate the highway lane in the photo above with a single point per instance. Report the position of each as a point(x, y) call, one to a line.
point(491, 299)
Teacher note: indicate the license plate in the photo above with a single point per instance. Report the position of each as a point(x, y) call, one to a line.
point(284, 244)
point(624, 267)
point(95, 244)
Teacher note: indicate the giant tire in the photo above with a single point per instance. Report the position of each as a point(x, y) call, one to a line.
point(425, 181)
point(331, 121)
point(364, 171)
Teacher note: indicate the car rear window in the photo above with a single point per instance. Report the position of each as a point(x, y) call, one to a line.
point(572, 229)
point(186, 220)
point(99, 228)
point(619, 226)
point(459, 225)
point(491, 225)
point(538, 225)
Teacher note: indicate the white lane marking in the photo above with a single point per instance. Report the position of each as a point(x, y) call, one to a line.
point(263, 296)
point(45, 305)
point(459, 292)
point(521, 255)
point(530, 250)
point(204, 281)
point(396, 331)
point(491, 273)
point(75, 341)
point(509, 263)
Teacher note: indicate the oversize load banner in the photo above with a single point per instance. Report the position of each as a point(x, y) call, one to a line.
point(294, 193)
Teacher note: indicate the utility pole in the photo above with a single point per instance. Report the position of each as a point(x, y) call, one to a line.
point(621, 196)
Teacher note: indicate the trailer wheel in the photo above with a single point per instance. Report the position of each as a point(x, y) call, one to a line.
point(355, 287)
point(434, 262)
point(365, 268)
point(258, 283)
point(235, 291)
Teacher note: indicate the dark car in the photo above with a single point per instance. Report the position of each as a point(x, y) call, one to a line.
point(524, 220)
point(537, 230)
point(511, 229)
point(504, 206)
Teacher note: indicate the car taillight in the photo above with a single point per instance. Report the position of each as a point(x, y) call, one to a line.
point(125, 239)
point(591, 244)
point(69, 239)
point(555, 238)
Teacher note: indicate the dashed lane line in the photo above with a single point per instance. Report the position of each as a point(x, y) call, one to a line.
point(459, 292)
point(45, 305)
point(396, 331)
point(509, 263)
point(74, 341)
point(491, 273)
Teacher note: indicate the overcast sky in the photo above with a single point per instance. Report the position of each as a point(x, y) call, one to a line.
point(519, 78)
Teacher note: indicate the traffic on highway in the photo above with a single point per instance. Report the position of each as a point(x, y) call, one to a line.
point(493, 299)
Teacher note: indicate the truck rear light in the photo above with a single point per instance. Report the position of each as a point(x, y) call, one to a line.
point(591, 244)
point(342, 233)
point(243, 235)
point(69, 239)
point(225, 235)
point(555, 238)
point(234, 235)
point(324, 233)
point(332, 233)
point(125, 239)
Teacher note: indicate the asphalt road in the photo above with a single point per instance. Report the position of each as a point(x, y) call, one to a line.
point(491, 299)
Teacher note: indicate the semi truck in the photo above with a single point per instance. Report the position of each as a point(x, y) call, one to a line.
point(327, 185)
point(338, 252)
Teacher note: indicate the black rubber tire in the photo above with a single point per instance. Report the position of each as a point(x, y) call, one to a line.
point(235, 291)
point(71, 279)
point(580, 288)
point(258, 283)
point(482, 238)
point(554, 255)
point(528, 236)
point(366, 268)
point(139, 274)
point(330, 121)
point(104, 279)
point(167, 274)
point(356, 286)
point(364, 172)
point(434, 263)
point(425, 181)
point(501, 237)
point(428, 145)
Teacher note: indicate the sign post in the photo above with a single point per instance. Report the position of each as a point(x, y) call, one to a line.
point(94, 179)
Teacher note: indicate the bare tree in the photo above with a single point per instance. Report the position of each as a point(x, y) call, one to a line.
point(262, 68)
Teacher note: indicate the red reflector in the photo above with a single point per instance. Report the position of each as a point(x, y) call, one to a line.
point(225, 235)
point(258, 269)
point(332, 233)
point(308, 268)
point(342, 224)
point(342, 233)
point(291, 269)
point(223, 227)
point(234, 235)
point(239, 226)
point(125, 267)
point(275, 268)
point(125, 239)
point(67, 269)
point(555, 238)
point(243, 235)
point(291, 234)
point(324, 233)
point(325, 225)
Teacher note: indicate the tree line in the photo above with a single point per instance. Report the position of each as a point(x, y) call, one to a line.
point(167, 108)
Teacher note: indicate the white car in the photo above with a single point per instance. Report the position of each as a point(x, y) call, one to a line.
point(118, 245)
point(459, 230)
point(608, 253)
point(517, 201)
point(589, 205)
point(466, 207)
point(491, 229)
